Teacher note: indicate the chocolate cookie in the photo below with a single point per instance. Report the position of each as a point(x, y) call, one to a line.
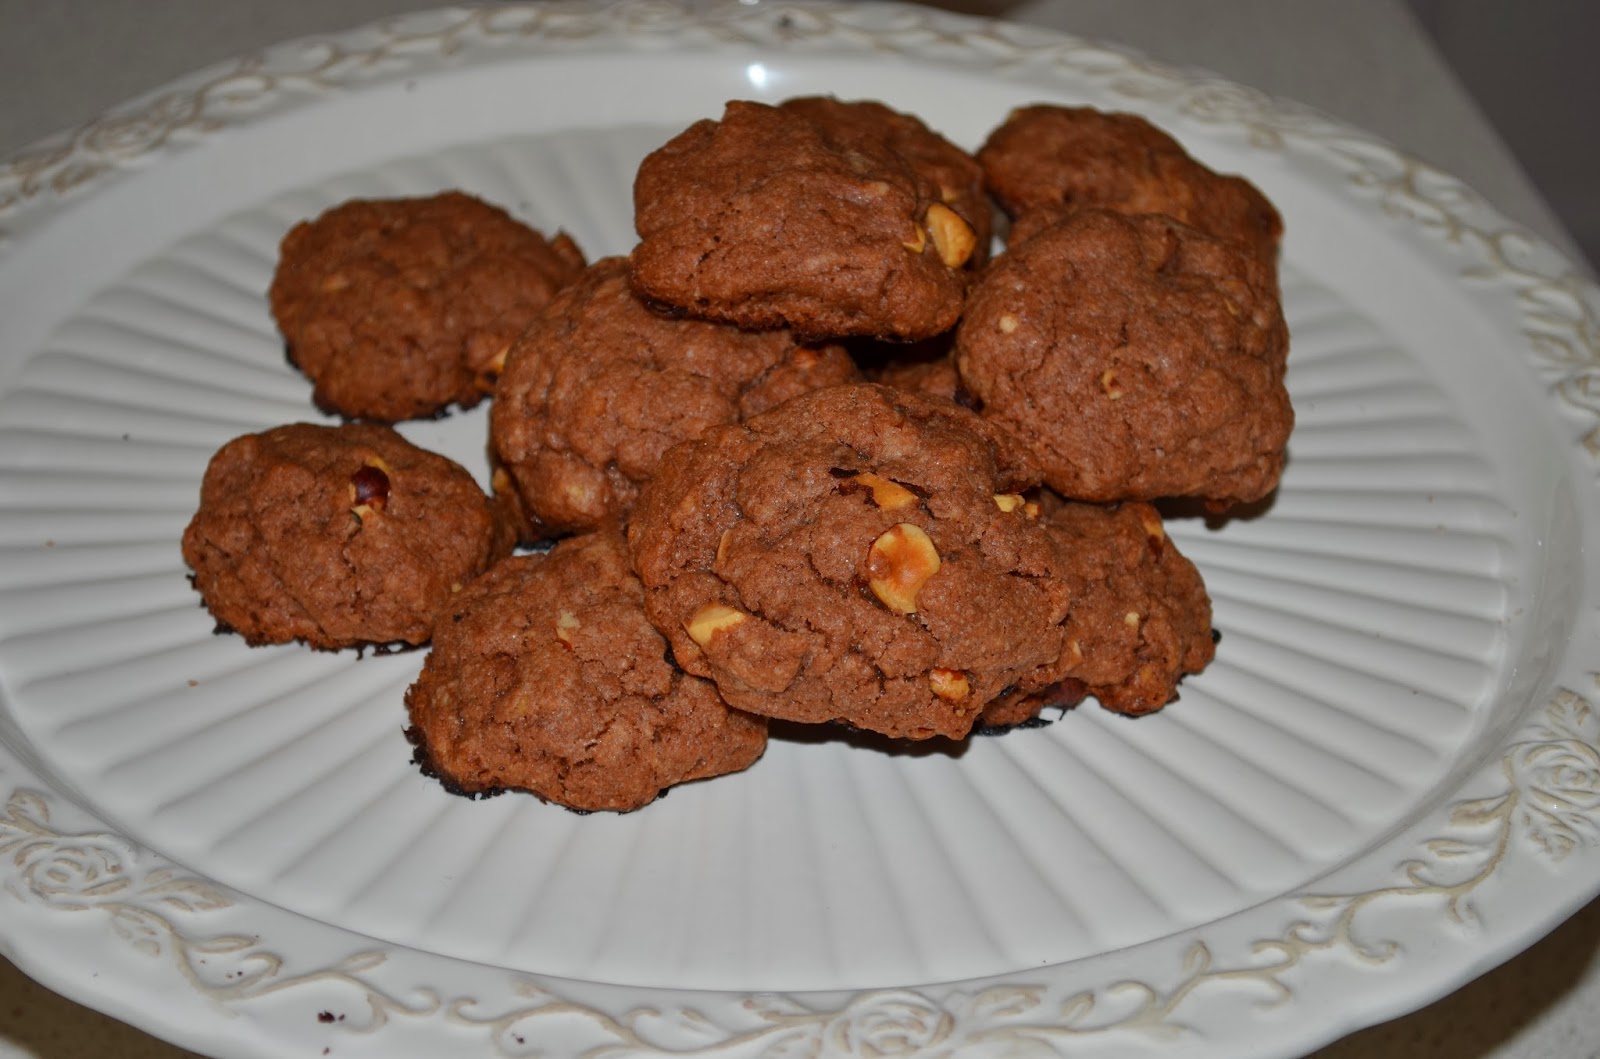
point(1046, 160)
point(397, 308)
point(1136, 357)
point(857, 555)
point(1140, 619)
point(336, 536)
point(936, 377)
point(600, 386)
point(547, 678)
point(827, 217)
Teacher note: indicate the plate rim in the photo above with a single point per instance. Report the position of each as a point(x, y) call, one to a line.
point(45, 836)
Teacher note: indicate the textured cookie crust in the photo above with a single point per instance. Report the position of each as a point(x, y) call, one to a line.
point(1045, 160)
point(827, 217)
point(931, 378)
point(547, 678)
point(845, 557)
point(600, 386)
point(336, 536)
point(398, 308)
point(1136, 357)
point(1140, 619)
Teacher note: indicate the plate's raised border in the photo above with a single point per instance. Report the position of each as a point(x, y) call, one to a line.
point(1538, 802)
point(1546, 803)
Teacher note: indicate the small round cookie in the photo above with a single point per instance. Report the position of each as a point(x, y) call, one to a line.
point(336, 536)
point(398, 308)
point(1054, 159)
point(600, 386)
point(1136, 357)
point(547, 678)
point(831, 218)
point(1140, 619)
point(851, 556)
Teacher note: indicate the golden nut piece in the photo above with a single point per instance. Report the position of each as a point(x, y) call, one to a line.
point(899, 563)
point(1009, 502)
point(949, 684)
point(1110, 384)
point(566, 621)
point(496, 365)
point(952, 237)
point(890, 496)
point(918, 241)
point(1153, 531)
point(712, 619)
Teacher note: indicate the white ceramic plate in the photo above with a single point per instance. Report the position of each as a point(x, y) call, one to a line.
point(1387, 782)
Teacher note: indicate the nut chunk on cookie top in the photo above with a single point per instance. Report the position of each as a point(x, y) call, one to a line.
point(600, 386)
point(832, 218)
point(852, 555)
point(336, 536)
point(398, 308)
point(1136, 357)
point(547, 678)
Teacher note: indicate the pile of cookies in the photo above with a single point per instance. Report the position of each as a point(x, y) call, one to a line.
point(806, 453)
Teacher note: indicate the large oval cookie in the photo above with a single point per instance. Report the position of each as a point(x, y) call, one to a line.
point(857, 554)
